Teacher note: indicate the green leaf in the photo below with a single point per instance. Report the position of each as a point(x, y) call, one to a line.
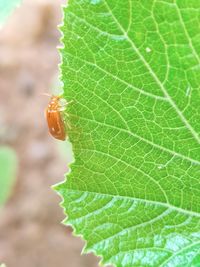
point(8, 166)
point(6, 7)
point(132, 70)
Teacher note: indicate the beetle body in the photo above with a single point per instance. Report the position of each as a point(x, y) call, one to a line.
point(54, 119)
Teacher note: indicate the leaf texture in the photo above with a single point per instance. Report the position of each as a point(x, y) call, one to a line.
point(132, 70)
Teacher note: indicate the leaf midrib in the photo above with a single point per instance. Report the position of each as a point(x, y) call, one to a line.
point(153, 74)
point(162, 204)
point(139, 90)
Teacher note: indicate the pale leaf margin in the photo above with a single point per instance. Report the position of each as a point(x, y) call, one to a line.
point(57, 186)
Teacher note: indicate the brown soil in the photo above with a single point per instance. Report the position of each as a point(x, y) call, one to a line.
point(30, 231)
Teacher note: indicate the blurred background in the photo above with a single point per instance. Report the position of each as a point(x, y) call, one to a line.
point(31, 234)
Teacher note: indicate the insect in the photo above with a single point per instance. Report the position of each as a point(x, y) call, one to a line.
point(54, 117)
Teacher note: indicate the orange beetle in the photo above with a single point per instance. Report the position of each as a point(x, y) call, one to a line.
point(54, 119)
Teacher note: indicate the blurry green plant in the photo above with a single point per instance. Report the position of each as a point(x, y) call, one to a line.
point(132, 69)
point(8, 168)
point(6, 7)
point(2, 265)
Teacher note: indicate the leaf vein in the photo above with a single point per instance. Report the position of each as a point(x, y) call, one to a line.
point(163, 89)
point(179, 252)
point(134, 227)
point(145, 201)
point(162, 148)
point(131, 166)
point(141, 91)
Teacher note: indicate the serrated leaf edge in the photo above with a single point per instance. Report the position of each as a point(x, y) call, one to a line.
point(56, 187)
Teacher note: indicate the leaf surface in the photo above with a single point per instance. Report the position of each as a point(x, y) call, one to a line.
point(132, 70)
